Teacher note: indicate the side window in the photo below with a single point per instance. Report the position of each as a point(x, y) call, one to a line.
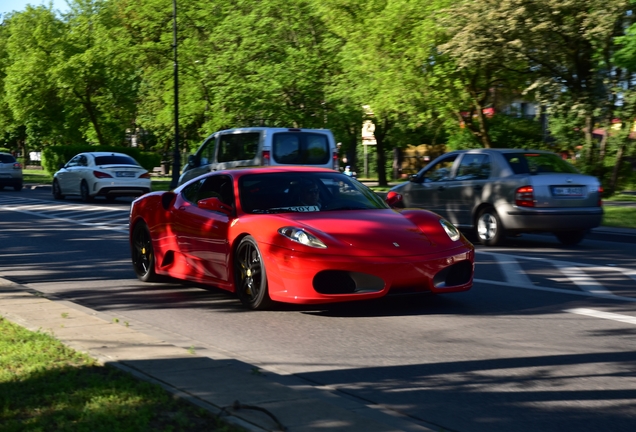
point(206, 153)
point(441, 171)
point(191, 191)
point(83, 161)
point(218, 186)
point(474, 167)
point(74, 162)
point(238, 146)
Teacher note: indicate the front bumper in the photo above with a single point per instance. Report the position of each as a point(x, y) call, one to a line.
point(297, 277)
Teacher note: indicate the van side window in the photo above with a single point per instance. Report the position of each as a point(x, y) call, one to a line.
point(300, 148)
point(238, 146)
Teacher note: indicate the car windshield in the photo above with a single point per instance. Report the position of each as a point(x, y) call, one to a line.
point(305, 192)
point(535, 163)
point(115, 160)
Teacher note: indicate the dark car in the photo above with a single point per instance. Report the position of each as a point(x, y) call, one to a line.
point(500, 192)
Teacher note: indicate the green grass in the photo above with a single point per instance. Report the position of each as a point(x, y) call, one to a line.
point(46, 386)
point(622, 217)
point(621, 197)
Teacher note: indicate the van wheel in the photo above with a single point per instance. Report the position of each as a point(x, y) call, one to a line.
point(570, 238)
point(490, 230)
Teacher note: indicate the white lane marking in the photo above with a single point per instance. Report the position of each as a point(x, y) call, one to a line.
point(578, 276)
point(604, 315)
point(75, 221)
point(557, 290)
point(513, 273)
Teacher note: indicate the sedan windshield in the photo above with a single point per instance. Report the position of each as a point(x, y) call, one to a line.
point(305, 192)
point(535, 163)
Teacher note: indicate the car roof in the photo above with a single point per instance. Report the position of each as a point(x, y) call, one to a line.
point(276, 169)
point(503, 150)
point(103, 153)
point(271, 129)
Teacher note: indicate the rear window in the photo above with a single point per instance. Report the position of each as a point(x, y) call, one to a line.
point(535, 163)
point(300, 148)
point(6, 158)
point(238, 146)
point(115, 160)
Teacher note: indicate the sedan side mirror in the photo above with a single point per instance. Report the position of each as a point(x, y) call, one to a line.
point(216, 205)
point(393, 198)
point(414, 178)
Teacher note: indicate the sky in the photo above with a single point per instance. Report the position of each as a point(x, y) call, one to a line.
point(19, 5)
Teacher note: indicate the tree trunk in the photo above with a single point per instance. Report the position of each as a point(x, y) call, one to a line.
point(617, 167)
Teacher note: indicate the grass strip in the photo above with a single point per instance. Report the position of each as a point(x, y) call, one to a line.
point(622, 217)
point(47, 386)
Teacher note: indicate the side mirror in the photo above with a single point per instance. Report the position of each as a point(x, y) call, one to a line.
point(60, 166)
point(413, 178)
point(393, 198)
point(216, 205)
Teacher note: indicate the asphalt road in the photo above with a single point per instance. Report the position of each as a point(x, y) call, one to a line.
point(545, 340)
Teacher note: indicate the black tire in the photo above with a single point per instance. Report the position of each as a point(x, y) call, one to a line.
point(17, 187)
point(489, 229)
point(110, 198)
point(570, 238)
point(57, 191)
point(142, 253)
point(84, 192)
point(250, 278)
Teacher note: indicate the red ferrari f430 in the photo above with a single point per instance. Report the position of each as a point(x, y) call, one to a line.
point(295, 235)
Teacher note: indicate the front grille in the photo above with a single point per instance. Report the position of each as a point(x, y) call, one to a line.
point(345, 282)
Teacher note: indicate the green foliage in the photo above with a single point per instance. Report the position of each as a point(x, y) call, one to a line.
point(55, 156)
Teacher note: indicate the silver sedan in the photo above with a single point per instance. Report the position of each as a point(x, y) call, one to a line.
point(500, 192)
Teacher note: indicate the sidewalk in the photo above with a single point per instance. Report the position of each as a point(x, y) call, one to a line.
point(253, 399)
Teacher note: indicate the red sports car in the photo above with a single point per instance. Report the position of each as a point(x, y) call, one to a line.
point(295, 235)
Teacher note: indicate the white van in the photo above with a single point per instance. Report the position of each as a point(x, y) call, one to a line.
point(262, 146)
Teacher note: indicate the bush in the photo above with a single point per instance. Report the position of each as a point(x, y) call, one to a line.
point(55, 156)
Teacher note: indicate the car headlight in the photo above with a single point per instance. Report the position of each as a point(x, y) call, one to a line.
point(300, 236)
point(450, 229)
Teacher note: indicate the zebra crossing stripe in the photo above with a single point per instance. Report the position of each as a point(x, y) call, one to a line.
point(604, 315)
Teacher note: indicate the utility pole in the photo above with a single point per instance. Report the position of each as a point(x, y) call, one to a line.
point(176, 165)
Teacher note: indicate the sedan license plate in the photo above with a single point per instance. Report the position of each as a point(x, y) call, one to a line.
point(124, 174)
point(568, 191)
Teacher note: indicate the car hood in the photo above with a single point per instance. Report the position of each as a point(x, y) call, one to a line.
point(381, 232)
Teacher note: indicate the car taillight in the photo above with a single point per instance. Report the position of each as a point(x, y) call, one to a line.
point(335, 160)
point(266, 157)
point(145, 175)
point(17, 165)
point(100, 174)
point(524, 196)
point(600, 196)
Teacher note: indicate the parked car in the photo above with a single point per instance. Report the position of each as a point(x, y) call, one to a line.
point(93, 174)
point(500, 192)
point(10, 172)
point(262, 146)
point(255, 232)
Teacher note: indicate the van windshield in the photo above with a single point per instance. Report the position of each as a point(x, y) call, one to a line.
point(300, 148)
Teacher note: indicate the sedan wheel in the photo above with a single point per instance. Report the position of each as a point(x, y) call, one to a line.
point(250, 278)
point(57, 191)
point(86, 197)
point(489, 228)
point(143, 257)
point(570, 238)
